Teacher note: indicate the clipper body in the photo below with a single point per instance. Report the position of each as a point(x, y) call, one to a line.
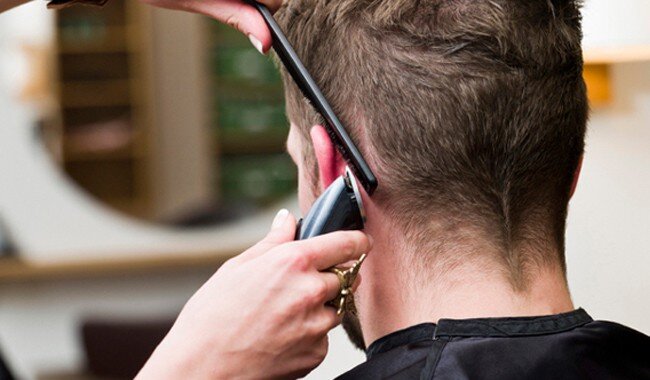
point(339, 208)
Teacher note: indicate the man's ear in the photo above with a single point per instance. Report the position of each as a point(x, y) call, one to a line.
point(330, 163)
point(576, 175)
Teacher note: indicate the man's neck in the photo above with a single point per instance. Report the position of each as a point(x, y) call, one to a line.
point(392, 297)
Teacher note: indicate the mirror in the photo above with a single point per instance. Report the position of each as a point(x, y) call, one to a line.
point(167, 116)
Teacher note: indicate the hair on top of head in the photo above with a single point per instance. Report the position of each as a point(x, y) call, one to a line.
point(471, 112)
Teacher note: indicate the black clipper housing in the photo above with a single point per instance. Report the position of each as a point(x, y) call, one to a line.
point(339, 207)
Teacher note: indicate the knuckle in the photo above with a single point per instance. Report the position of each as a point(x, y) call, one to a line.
point(350, 245)
point(359, 236)
point(230, 263)
point(294, 306)
point(361, 242)
point(299, 260)
point(322, 324)
point(315, 330)
point(273, 4)
point(297, 307)
point(317, 293)
point(233, 21)
point(328, 321)
point(313, 295)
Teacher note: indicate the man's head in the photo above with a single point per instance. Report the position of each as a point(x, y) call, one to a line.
point(470, 111)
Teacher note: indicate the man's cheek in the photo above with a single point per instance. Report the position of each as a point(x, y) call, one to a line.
point(306, 196)
point(303, 200)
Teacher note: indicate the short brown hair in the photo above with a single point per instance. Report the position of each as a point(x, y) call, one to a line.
point(471, 110)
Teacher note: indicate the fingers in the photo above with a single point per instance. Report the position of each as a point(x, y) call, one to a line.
point(332, 249)
point(331, 319)
point(273, 5)
point(321, 321)
point(242, 17)
point(236, 13)
point(283, 230)
point(332, 285)
point(320, 253)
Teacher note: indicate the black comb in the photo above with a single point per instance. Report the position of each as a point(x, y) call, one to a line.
point(312, 92)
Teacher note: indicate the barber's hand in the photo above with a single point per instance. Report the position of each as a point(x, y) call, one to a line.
point(235, 13)
point(263, 313)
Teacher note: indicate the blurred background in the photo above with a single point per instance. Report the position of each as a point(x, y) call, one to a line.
point(141, 148)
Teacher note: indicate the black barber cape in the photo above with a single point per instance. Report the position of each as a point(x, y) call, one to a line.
point(562, 346)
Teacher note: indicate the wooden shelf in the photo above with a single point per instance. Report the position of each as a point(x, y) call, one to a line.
point(108, 93)
point(103, 77)
point(598, 84)
point(15, 270)
point(597, 69)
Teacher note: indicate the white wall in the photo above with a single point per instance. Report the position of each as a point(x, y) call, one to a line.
point(608, 244)
point(610, 23)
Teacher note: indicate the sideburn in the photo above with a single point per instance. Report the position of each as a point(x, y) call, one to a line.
point(352, 326)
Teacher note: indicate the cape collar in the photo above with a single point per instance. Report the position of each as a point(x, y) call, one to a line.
point(481, 327)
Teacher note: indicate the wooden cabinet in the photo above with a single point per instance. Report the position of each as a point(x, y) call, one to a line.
point(101, 59)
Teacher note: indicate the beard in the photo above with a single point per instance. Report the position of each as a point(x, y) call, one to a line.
point(352, 325)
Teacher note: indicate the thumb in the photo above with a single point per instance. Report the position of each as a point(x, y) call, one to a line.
point(283, 230)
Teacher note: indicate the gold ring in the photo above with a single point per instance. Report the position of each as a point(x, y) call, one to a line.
point(346, 277)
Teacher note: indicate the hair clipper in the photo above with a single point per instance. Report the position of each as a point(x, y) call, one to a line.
point(340, 207)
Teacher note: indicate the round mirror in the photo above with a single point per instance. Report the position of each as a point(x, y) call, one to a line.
point(168, 116)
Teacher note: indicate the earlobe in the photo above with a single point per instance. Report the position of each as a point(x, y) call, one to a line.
point(330, 163)
point(576, 175)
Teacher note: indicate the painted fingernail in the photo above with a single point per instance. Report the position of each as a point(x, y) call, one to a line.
point(279, 219)
point(257, 43)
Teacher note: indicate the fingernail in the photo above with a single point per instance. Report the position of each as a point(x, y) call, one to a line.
point(279, 219)
point(257, 43)
point(371, 240)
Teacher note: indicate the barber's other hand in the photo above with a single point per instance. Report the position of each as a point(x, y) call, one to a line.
point(263, 313)
point(235, 13)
